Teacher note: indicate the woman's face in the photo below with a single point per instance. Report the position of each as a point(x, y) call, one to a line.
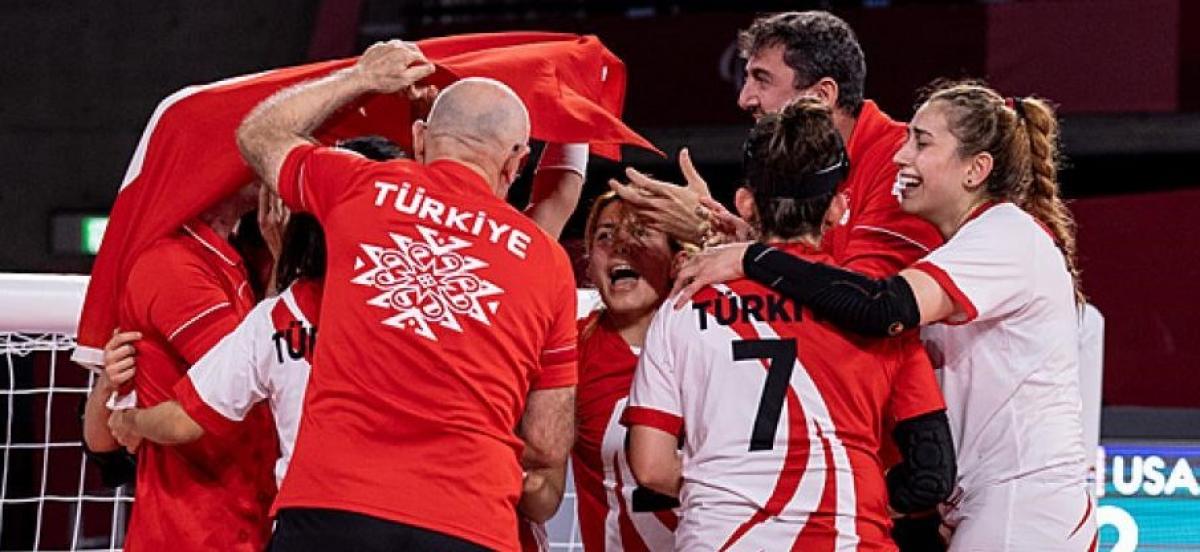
point(932, 173)
point(631, 267)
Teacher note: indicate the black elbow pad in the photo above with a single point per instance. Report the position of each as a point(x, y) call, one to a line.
point(876, 308)
point(926, 475)
point(647, 500)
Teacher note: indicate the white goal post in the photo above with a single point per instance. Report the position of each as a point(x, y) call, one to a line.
point(41, 303)
point(49, 497)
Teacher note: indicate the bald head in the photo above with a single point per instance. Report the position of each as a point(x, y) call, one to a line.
point(482, 114)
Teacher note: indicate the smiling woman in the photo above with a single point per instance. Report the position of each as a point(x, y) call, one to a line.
point(1001, 301)
point(629, 264)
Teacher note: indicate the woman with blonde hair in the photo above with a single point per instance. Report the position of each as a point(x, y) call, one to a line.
point(630, 266)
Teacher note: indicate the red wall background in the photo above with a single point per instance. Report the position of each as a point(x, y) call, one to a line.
point(1140, 256)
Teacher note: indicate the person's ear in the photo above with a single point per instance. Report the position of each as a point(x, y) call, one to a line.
point(419, 129)
point(835, 212)
point(510, 170)
point(826, 90)
point(979, 170)
point(743, 201)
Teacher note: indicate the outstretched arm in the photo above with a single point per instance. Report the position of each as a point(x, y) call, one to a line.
point(876, 307)
point(165, 423)
point(288, 118)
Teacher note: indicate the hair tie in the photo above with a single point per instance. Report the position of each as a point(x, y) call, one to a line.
point(1016, 103)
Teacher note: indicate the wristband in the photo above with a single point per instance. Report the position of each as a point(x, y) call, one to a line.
point(567, 157)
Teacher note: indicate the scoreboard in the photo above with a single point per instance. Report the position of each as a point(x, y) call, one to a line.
point(1149, 498)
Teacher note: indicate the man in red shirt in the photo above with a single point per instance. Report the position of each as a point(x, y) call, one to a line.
point(814, 54)
point(447, 320)
point(185, 292)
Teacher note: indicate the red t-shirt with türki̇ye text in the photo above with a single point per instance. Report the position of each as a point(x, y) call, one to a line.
point(443, 307)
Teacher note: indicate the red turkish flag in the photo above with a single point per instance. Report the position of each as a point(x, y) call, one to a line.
point(187, 159)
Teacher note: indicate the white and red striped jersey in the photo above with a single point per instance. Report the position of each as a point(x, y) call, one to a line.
point(532, 535)
point(780, 416)
point(604, 483)
point(266, 358)
point(1010, 355)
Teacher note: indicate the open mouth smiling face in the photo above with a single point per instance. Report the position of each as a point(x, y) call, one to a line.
point(629, 266)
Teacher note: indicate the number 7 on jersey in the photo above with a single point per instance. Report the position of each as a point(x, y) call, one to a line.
point(782, 353)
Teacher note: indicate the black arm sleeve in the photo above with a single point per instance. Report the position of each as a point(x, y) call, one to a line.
point(117, 467)
point(863, 305)
point(926, 475)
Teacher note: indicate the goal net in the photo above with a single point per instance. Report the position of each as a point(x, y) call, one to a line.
point(51, 497)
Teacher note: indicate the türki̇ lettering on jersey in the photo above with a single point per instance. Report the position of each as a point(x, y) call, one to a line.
point(728, 308)
point(297, 341)
point(426, 282)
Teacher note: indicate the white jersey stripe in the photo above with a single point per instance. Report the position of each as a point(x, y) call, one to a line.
point(612, 526)
point(895, 234)
point(816, 412)
point(193, 319)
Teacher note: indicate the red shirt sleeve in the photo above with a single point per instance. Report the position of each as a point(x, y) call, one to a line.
point(915, 389)
point(314, 179)
point(559, 358)
point(183, 301)
point(883, 240)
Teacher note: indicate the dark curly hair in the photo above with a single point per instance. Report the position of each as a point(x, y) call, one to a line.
point(794, 160)
point(817, 44)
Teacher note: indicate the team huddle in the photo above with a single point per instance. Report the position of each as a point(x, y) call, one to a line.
point(406, 370)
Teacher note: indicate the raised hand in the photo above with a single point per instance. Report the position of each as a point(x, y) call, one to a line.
point(421, 97)
point(730, 226)
point(695, 182)
point(712, 265)
point(674, 210)
point(687, 213)
point(272, 218)
point(392, 66)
